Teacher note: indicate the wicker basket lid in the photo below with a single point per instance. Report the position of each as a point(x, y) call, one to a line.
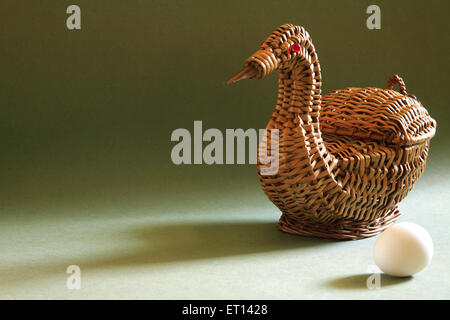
point(376, 114)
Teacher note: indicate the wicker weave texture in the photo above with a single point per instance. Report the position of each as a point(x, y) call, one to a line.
point(345, 159)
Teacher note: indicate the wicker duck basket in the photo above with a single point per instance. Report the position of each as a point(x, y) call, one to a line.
point(345, 159)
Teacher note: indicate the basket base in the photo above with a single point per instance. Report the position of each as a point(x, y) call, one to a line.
point(342, 230)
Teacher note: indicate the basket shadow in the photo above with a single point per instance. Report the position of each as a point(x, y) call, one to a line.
point(192, 241)
point(172, 243)
point(359, 281)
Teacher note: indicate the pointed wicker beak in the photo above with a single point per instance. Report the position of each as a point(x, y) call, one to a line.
point(247, 72)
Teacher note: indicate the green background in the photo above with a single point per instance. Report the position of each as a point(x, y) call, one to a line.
point(85, 124)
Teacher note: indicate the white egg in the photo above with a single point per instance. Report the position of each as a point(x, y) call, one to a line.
point(403, 249)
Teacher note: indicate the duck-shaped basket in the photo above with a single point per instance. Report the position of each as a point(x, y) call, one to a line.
point(345, 160)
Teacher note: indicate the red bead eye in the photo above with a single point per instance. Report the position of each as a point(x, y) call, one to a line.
point(295, 48)
point(262, 43)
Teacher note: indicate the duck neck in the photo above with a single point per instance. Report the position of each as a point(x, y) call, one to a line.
point(298, 110)
point(299, 94)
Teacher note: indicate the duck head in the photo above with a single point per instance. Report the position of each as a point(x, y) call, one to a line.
point(280, 51)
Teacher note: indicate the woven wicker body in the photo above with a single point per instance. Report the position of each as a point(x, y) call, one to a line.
point(345, 160)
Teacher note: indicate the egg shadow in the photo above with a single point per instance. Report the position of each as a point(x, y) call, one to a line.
point(359, 281)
